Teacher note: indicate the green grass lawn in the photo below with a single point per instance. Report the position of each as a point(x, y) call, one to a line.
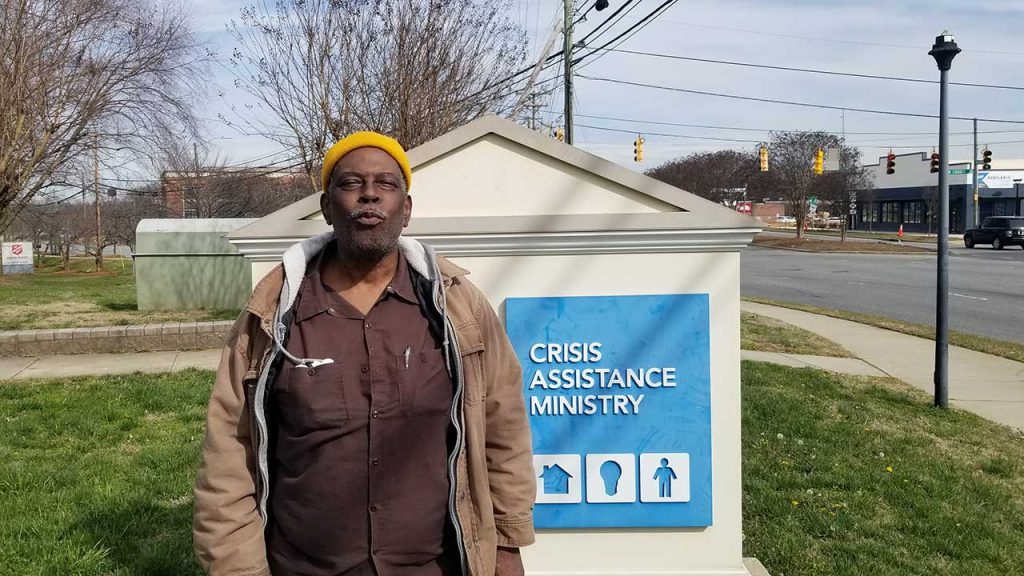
point(855, 476)
point(81, 296)
point(842, 476)
point(770, 335)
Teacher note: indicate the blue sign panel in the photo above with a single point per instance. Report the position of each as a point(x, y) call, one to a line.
point(618, 390)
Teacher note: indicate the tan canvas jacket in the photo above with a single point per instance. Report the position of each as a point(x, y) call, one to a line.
point(491, 470)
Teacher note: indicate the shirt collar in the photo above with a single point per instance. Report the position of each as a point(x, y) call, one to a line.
point(314, 297)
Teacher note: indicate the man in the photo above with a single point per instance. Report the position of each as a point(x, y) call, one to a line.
point(368, 415)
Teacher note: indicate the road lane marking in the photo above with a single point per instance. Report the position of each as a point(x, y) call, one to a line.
point(970, 297)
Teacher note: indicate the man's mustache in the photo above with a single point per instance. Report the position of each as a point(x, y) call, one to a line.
point(357, 214)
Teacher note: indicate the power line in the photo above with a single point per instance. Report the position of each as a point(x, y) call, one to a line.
point(607, 25)
point(642, 23)
point(820, 39)
point(687, 136)
point(808, 70)
point(747, 129)
point(692, 137)
point(792, 103)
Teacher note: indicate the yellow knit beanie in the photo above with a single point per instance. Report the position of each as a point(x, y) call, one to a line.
point(365, 140)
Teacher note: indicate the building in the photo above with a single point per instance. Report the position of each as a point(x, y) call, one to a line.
point(207, 192)
point(909, 196)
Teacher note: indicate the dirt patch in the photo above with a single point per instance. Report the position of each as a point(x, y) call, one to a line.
point(816, 245)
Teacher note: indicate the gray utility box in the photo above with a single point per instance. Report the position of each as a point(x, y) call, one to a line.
point(188, 265)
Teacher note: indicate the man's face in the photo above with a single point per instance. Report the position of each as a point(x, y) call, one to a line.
point(366, 204)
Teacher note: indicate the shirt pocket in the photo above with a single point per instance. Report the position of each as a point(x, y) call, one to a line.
point(312, 399)
point(424, 386)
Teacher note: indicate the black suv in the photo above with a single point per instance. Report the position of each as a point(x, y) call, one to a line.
point(998, 231)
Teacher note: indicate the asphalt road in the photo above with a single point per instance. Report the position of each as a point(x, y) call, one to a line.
point(986, 286)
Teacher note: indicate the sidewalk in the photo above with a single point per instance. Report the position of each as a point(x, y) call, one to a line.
point(106, 364)
point(987, 385)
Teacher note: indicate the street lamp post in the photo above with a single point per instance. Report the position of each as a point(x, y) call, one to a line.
point(944, 50)
point(1016, 196)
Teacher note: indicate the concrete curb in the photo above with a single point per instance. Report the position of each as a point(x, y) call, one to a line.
point(168, 336)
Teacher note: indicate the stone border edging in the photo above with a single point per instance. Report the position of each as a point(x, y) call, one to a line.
point(167, 336)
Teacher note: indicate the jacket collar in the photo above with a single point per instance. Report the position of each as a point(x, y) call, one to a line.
point(270, 291)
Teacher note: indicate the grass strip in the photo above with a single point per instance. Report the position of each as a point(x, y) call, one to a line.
point(83, 297)
point(1001, 348)
point(765, 334)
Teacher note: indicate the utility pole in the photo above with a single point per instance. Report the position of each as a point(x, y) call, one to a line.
point(944, 50)
point(974, 172)
point(96, 191)
point(567, 55)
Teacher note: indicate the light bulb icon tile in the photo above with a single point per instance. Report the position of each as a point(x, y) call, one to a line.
point(611, 478)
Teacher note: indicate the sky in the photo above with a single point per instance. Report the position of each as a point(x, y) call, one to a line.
point(874, 37)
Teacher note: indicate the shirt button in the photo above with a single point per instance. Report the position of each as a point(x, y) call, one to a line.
point(375, 461)
point(376, 552)
point(364, 369)
point(330, 311)
point(373, 508)
point(368, 325)
point(375, 413)
point(312, 372)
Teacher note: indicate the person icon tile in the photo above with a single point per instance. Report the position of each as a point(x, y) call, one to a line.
point(664, 477)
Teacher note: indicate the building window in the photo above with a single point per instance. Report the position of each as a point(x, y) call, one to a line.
point(870, 213)
point(891, 212)
point(913, 212)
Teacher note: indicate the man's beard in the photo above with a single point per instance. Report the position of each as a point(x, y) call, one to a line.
point(368, 244)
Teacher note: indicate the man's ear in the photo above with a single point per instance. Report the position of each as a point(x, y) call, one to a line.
point(408, 210)
point(325, 208)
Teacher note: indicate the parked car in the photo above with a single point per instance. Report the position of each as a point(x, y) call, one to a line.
point(999, 231)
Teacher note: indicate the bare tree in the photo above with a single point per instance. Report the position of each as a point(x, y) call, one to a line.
point(791, 159)
point(711, 175)
point(85, 74)
point(122, 216)
point(414, 69)
point(211, 188)
point(835, 188)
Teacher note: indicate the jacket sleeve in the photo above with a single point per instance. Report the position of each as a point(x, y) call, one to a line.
point(508, 445)
point(227, 531)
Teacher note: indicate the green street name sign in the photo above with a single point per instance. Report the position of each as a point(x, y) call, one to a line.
point(960, 171)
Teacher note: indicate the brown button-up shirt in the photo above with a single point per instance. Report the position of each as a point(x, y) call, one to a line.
point(359, 480)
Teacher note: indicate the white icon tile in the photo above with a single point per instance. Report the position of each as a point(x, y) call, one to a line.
point(611, 478)
point(665, 477)
point(559, 478)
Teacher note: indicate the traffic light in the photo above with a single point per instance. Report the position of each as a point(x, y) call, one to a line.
point(560, 134)
point(638, 149)
point(819, 162)
point(763, 155)
point(935, 162)
point(890, 163)
point(986, 159)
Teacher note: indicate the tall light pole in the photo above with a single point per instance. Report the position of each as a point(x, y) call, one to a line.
point(944, 50)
